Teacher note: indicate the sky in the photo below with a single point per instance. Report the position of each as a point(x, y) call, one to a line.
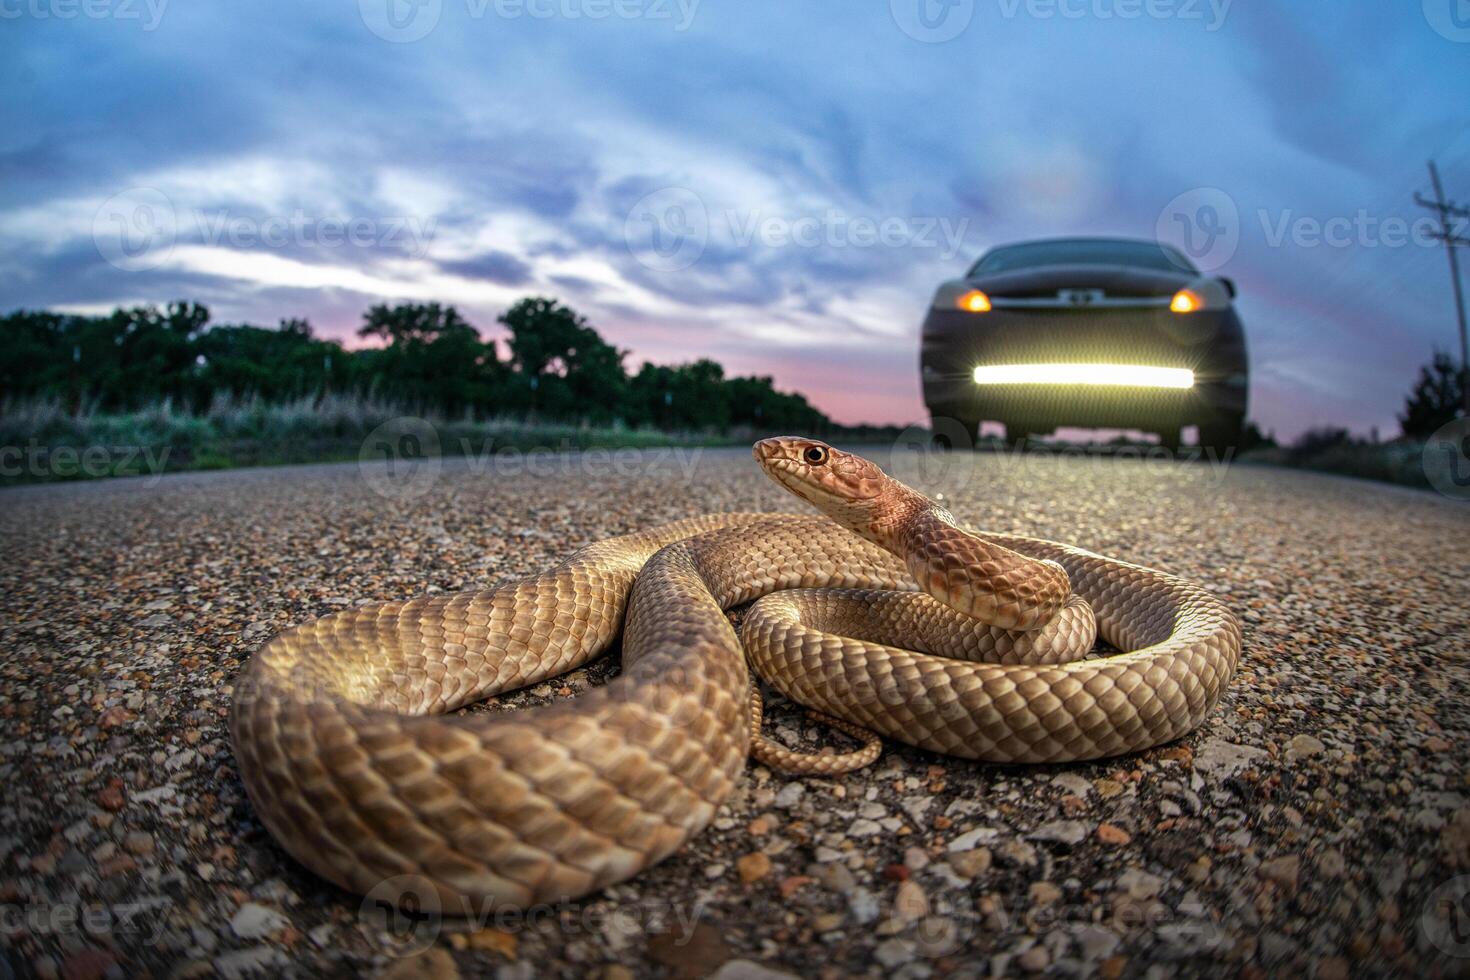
point(779, 186)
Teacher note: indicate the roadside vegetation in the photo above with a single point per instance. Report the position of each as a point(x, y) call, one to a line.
point(44, 441)
point(1436, 400)
point(149, 390)
point(423, 358)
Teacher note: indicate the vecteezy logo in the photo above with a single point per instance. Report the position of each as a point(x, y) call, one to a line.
point(1449, 18)
point(923, 448)
point(667, 230)
point(1447, 459)
point(400, 458)
point(406, 909)
point(135, 230)
point(1204, 223)
point(932, 21)
point(400, 21)
point(1445, 920)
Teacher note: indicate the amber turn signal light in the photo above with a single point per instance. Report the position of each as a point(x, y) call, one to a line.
point(974, 302)
point(1186, 301)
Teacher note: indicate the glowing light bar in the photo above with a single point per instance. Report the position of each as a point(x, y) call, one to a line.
point(1121, 375)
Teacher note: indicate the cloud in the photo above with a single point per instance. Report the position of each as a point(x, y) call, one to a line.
point(497, 267)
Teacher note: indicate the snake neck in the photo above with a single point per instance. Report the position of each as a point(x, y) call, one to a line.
point(964, 570)
point(900, 513)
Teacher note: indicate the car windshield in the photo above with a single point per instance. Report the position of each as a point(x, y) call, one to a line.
point(1083, 251)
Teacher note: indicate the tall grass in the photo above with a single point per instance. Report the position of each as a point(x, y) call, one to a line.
point(41, 440)
point(1401, 462)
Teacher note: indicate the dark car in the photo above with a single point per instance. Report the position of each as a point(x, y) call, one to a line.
point(1089, 332)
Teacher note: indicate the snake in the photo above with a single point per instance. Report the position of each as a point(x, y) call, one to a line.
point(880, 611)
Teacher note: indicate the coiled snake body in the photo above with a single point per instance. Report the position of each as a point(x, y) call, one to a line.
point(344, 745)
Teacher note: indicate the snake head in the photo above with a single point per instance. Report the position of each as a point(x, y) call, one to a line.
point(845, 487)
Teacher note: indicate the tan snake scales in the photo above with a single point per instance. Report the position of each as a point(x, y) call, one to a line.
point(344, 745)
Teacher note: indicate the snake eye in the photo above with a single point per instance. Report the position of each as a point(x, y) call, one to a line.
point(815, 455)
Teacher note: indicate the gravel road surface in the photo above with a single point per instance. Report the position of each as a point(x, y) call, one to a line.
point(1316, 825)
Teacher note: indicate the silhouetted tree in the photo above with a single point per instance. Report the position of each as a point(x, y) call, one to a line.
point(755, 403)
point(409, 322)
point(36, 352)
point(434, 359)
point(275, 365)
point(566, 369)
point(1436, 397)
point(685, 396)
point(134, 357)
point(544, 335)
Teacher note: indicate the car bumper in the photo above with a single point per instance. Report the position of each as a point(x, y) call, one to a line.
point(1208, 343)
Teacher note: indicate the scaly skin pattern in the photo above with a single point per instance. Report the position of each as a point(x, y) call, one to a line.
point(1183, 647)
point(343, 740)
point(921, 623)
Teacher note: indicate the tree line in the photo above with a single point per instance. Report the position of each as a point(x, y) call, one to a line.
point(427, 359)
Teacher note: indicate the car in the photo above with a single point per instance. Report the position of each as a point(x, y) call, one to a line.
point(1110, 333)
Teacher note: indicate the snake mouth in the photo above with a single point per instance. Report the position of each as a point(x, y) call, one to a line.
point(794, 477)
point(771, 455)
point(768, 451)
point(783, 471)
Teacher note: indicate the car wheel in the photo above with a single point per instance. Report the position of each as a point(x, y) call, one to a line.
point(972, 433)
point(1015, 435)
point(1223, 435)
point(947, 432)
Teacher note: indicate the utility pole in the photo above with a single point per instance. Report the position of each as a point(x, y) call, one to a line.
point(1451, 241)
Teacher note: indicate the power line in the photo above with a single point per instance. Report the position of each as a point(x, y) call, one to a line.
point(1445, 209)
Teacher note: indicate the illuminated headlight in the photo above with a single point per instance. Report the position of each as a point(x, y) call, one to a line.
point(974, 301)
point(1186, 301)
point(1120, 375)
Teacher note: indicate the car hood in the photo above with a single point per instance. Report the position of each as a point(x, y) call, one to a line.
point(1114, 280)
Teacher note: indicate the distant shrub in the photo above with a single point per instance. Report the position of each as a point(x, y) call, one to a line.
point(1314, 442)
point(1254, 438)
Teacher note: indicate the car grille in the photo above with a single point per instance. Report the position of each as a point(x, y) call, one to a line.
point(955, 344)
point(1095, 336)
